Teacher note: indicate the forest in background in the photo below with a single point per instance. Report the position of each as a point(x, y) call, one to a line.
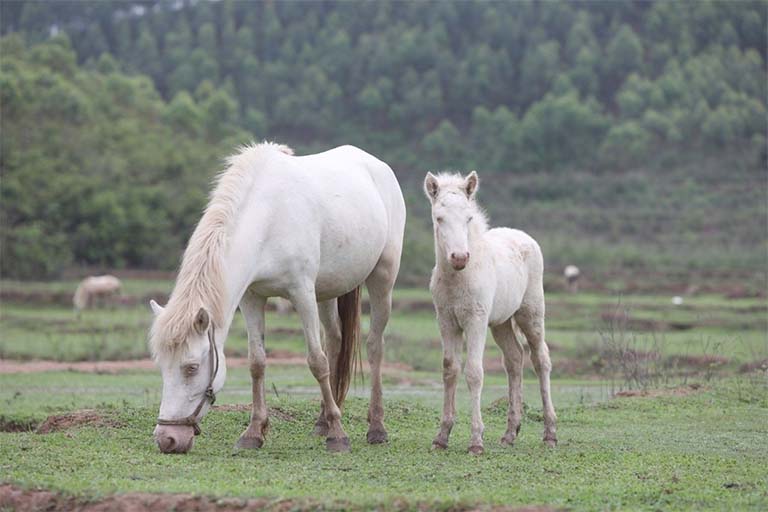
point(622, 135)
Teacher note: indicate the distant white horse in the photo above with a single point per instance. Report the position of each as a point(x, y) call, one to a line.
point(485, 278)
point(572, 274)
point(311, 229)
point(95, 288)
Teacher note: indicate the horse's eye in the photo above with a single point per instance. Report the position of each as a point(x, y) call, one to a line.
point(470, 219)
point(439, 219)
point(190, 370)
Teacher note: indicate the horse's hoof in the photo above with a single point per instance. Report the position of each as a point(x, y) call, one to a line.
point(337, 444)
point(550, 441)
point(439, 445)
point(249, 443)
point(508, 440)
point(378, 436)
point(476, 449)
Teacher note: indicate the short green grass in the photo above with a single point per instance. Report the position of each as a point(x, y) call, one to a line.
point(706, 450)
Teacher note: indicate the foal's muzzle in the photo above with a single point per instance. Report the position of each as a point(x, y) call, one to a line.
point(459, 260)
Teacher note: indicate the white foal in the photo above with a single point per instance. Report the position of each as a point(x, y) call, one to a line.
point(485, 278)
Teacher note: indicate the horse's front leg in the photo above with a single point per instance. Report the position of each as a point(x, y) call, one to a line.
point(304, 301)
point(452, 342)
point(252, 306)
point(475, 333)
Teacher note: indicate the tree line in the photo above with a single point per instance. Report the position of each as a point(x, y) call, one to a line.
point(115, 114)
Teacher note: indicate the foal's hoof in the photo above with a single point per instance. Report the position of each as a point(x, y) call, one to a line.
point(337, 444)
point(377, 436)
point(476, 449)
point(249, 443)
point(439, 445)
point(550, 441)
point(508, 439)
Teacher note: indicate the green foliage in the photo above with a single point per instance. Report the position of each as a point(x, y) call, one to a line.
point(117, 107)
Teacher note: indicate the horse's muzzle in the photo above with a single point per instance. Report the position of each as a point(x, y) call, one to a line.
point(174, 438)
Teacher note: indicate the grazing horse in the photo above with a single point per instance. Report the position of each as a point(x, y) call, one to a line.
point(485, 278)
point(93, 288)
point(311, 229)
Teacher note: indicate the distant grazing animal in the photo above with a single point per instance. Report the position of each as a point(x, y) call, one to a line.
point(485, 278)
point(95, 289)
point(572, 274)
point(311, 229)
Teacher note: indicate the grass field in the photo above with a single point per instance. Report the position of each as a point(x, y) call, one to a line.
point(699, 443)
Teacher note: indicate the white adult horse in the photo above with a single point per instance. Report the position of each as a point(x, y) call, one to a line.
point(310, 229)
point(94, 288)
point(485, 278)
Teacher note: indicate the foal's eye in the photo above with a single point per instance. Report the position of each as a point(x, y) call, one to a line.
point(439, 219)
point(470, 219)
point(190, 370)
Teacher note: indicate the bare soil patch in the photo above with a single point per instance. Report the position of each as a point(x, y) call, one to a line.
point(85, 417)
point(21, 500)
point(652, 393)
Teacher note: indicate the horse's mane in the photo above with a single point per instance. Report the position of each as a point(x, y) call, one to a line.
point(200, 281)
point(453, 183)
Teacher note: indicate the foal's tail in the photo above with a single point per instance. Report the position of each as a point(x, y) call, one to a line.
point(349, 314)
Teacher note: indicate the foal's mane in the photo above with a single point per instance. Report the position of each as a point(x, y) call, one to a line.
point(200, 281)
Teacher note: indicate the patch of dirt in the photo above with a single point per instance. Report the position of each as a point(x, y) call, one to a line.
point(85, 417)
point(698, 361)
point(34, 500)
point(652, 393)
point(754, 366)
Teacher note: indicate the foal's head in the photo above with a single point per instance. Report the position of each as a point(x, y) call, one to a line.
point(184, 355)
point(453, 213)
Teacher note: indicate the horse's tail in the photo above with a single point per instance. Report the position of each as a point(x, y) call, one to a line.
point(349, 315)
point(80, 299)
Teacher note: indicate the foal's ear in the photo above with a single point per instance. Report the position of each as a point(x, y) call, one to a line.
point(201, 321)
point(156, 308)
point(470, 184)
point(431, 187)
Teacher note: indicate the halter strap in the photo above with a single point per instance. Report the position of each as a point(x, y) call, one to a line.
point(208, 395)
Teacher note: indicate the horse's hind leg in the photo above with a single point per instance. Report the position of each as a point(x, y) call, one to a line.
point(531, 322)
point(303, 299)
point(329, 317)
point(252, 306)
point(379, 284)
point(512, 350)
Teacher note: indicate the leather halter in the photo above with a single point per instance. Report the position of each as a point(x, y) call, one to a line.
point(208, 395)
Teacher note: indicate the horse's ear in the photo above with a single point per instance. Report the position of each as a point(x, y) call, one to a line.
point(156, 308)
point(431, 187)
point(201, 321)
point(470, 184)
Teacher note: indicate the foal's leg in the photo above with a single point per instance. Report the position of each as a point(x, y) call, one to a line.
point(504, 335)
point(531, 321)
point(379, 284)
point(329, 316)
point(304, 301)
point(252, 306)
point(452, 344)
point(473, 370)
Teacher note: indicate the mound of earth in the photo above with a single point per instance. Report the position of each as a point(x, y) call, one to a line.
point(86, 417)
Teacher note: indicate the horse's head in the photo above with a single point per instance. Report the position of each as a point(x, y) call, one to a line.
point(193, 370)
point(452, 198)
